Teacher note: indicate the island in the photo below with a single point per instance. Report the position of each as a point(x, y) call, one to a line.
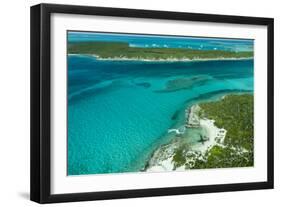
point(123, 51)
point(226, 139)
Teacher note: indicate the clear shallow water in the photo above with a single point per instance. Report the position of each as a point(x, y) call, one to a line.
point(165, 41)
point(120, 111)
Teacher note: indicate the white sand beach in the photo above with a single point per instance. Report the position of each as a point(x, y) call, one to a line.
point(215, 136)
point(123, 58)
point(162, 160)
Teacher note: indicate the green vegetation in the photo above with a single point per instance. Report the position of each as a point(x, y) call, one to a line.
point(179, 157)
point(235, 114)
point(225, 157)
point(123, 50)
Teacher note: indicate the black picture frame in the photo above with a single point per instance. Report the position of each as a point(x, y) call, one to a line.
point(40, 184)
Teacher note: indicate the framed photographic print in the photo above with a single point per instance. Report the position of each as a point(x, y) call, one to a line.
point(132, 103)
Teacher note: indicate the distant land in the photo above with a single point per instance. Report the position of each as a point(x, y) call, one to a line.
point(122, 51)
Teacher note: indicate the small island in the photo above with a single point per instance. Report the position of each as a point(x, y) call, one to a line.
point(123, 51)
point(226, 140)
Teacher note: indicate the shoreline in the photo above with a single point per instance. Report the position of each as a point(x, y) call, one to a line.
point(219, 144)
point(163, 157)
point(161, 60)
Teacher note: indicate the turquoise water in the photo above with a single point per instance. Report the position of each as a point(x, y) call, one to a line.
point(120, 111)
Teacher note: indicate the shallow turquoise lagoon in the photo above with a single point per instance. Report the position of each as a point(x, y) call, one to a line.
point(120, 111)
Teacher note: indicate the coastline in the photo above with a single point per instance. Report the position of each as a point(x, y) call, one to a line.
point(162, 159)
point(162, 60)
point(212, 150)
